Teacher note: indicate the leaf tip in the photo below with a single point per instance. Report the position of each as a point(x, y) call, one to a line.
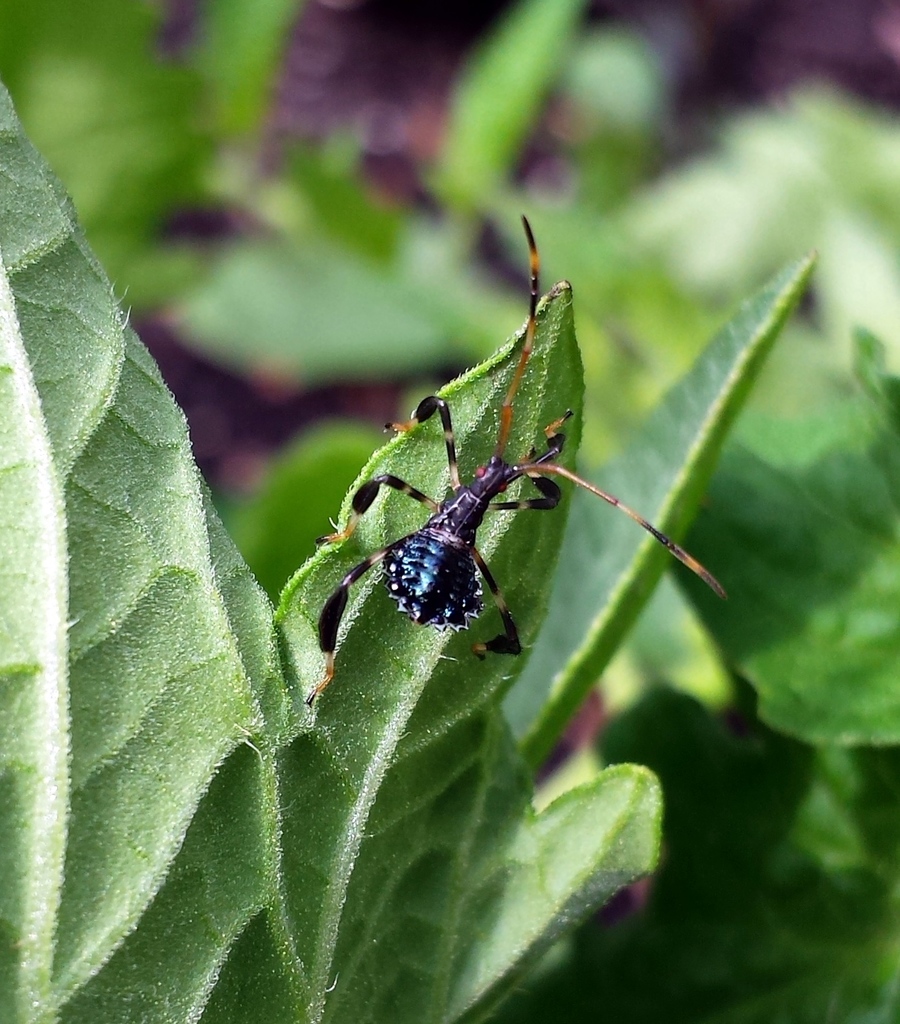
point(560, 288)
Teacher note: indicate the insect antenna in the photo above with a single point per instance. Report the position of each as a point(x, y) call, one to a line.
point(677, 551)
point(506, 411)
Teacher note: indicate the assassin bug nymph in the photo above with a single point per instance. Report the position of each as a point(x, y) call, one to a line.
point(431, 573)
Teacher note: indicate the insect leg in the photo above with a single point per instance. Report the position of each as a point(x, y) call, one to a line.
point(505, 643)
point(551, 429)
point(332, 613)
point(555, 443)
point(366, 495)
point(548, 488)
point(551, 492)
point(677, 551)
point(427, 408)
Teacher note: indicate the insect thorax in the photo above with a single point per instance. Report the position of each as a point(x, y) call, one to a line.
point(433, 579)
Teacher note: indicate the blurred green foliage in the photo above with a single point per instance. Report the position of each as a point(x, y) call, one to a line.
point(274, 530)
point(791, 914)
point(139, 137)
point(120, 127)
point(813, 621)
point(500, 97)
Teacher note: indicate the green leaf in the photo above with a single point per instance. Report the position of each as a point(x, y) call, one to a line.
point(240, 54)
point(777, 895)
point(118, 125)
point(344, 208)
point(515, 881)
point(452, 818)
point(313, 307)
point(601, 586)
point(216, 888)
point(614, 77)
point(286, 309)
point(277, 528)
point(807, 512)
point(815, 172)
point(499, 97)
point(33, 684)
point(222, 883)
point(858, 280)
point(157, 691)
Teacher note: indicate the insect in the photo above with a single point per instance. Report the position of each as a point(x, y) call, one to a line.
point(432, 574)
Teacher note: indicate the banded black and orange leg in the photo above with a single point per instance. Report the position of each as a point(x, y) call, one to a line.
point(332, 613)
point(505, 643)
point(425, 410)
point(364, 497)
point(548, 488)
point(550, 431)
point(555, 443)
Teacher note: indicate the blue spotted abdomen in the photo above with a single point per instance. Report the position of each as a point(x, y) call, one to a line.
point(434, 582)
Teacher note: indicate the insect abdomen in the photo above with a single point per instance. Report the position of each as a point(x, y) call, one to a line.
point(434, 581)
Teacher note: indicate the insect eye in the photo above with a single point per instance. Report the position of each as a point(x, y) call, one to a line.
point(480, 471)
point(502, 488)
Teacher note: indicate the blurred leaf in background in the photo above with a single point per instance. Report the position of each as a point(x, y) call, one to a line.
point(305, 484)
point(286, 309)
point(819, 173)
point(499, 97)
point(239, 52)
point(119, 125)
point(312, 310)
point(813, 507)
point(770, 185)
point(610, 115)
point(775, 898)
